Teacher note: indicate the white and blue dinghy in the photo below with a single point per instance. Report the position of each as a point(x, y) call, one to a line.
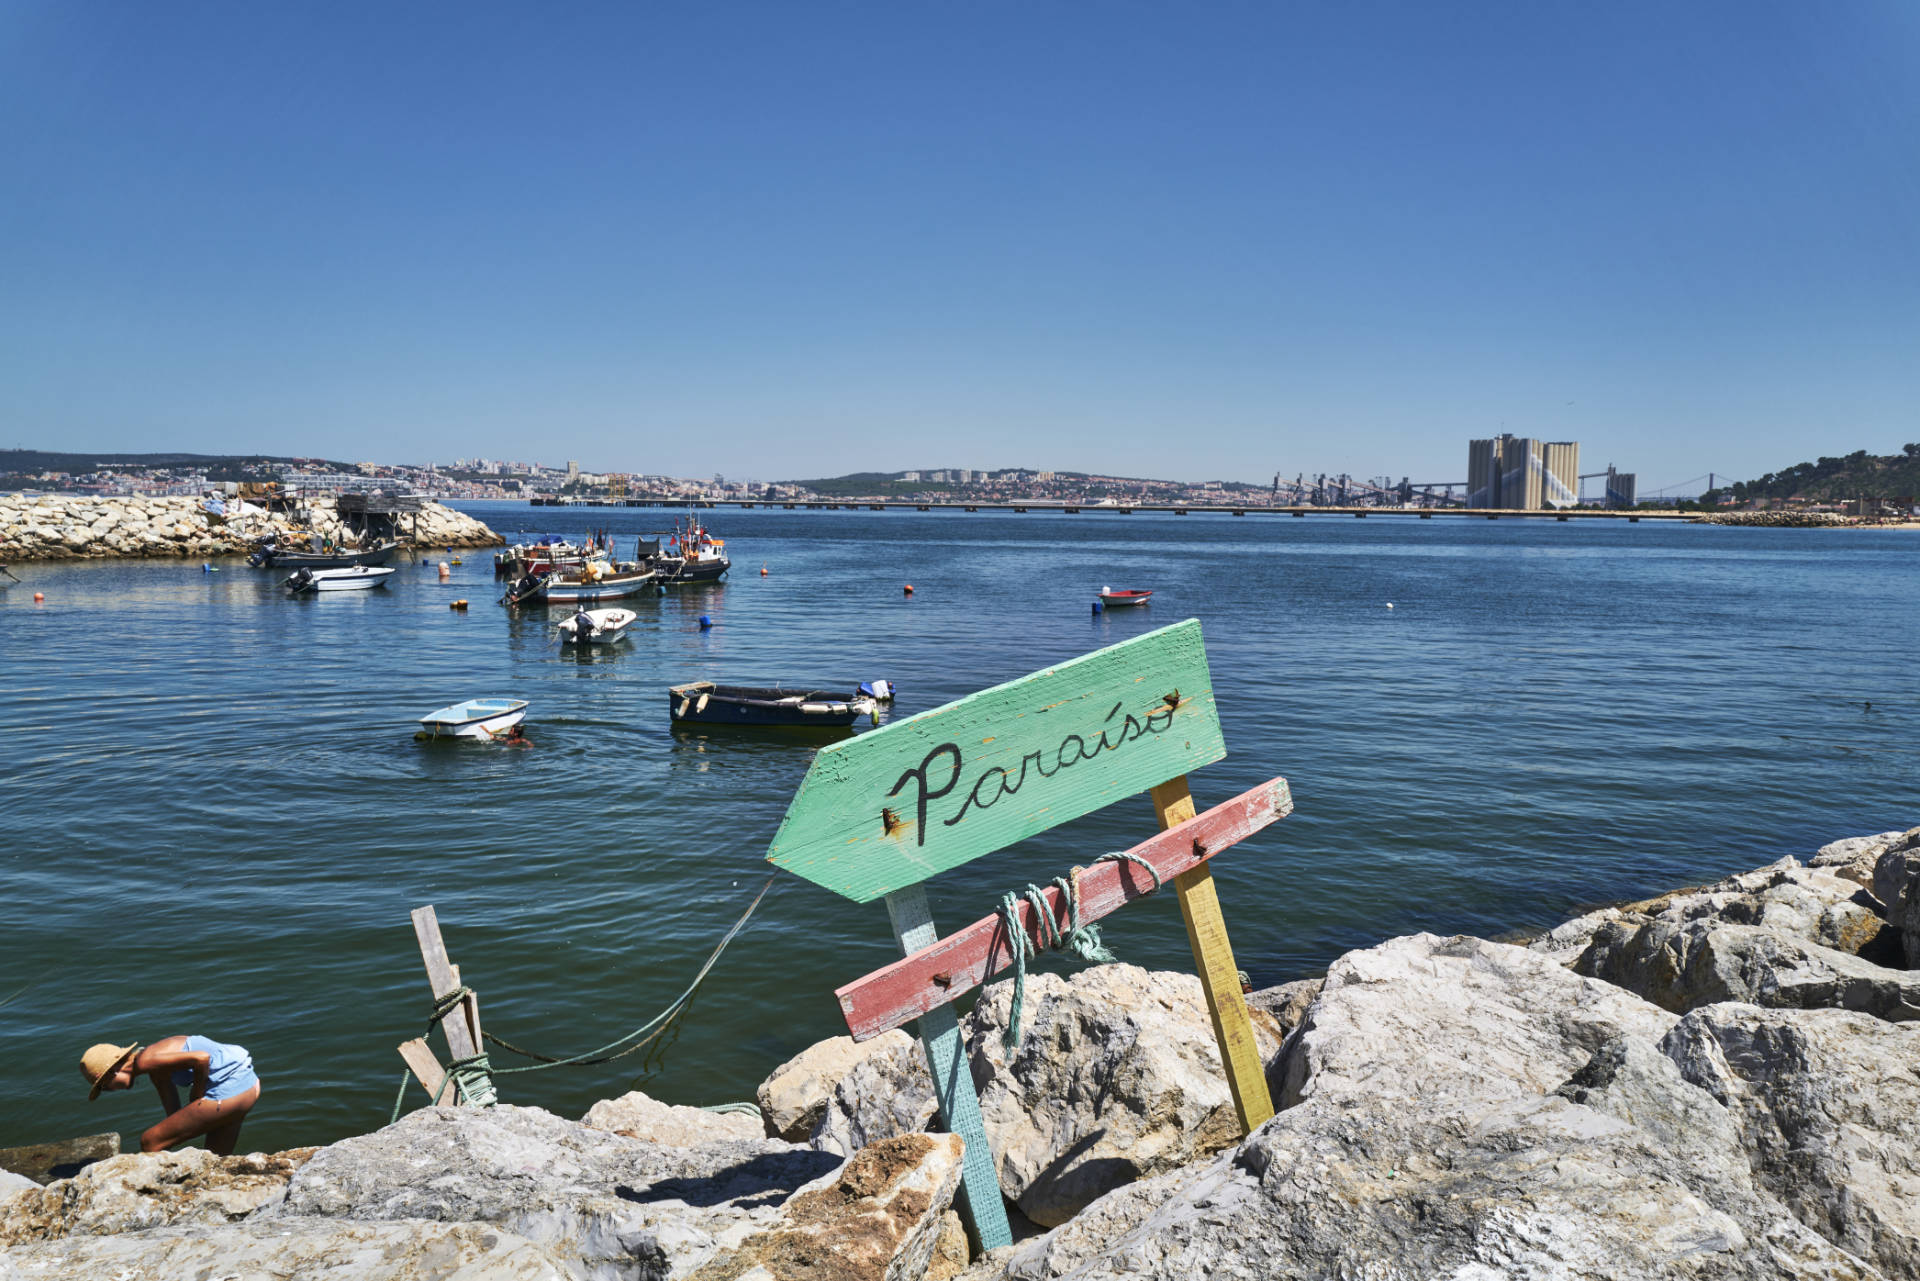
point(483, 718)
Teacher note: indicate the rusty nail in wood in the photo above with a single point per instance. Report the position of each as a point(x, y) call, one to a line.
point(889, 820)
point(943, 980)
point(1171, 700)
point(1199, 850)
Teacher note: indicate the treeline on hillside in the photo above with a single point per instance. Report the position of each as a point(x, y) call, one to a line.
point(25, 461)
point(1858, 475)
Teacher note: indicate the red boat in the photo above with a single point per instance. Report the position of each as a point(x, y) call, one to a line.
point(1110, 597)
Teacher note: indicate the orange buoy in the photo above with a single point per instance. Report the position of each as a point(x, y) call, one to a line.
point(38, 597)
point(456, 604)
point(763, 571)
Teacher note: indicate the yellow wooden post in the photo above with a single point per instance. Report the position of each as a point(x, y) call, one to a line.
point(1213, 957)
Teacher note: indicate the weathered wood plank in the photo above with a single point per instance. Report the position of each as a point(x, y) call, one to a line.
point(895, 806)
point(442, 978)
point(425, 1068)
point(1219, 977)
point(980, 1204)
point(938, 974)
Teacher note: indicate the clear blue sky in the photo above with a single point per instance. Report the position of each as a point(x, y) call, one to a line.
point(799, 239)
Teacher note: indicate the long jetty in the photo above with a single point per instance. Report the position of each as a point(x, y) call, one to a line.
point(1126, 509)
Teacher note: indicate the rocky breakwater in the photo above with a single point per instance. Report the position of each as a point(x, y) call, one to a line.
point(64, 527)
point(1778, 519)
point(1715, 1083)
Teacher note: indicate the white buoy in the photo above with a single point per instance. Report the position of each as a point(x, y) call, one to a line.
point(1389, 604)
point(446, 570)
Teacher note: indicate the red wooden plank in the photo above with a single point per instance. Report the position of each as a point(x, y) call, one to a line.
point(936, 974)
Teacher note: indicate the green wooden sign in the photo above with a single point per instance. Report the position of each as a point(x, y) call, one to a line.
point(893, 807)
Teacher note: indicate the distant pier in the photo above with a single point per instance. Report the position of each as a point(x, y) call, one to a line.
point(1126, 509)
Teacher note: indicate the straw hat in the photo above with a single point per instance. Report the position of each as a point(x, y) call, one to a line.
point(102, 1061)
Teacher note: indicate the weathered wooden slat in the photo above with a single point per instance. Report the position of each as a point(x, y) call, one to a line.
point(981, 1207)
point(933, 976)
point(425, 1068)
point(442, 978)
point(1219, 977)
point(897, 805)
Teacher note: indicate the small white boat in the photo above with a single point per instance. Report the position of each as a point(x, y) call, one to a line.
point(607, 626)
point(356, 578)
point(482, 718)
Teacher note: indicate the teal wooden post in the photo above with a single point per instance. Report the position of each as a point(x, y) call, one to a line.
point(982, 1209)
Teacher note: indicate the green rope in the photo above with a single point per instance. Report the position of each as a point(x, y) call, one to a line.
point(473, 1077)
point(1081, 941)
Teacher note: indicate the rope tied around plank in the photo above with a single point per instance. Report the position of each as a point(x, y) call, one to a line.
point(1080, 941)
point(474, 1075)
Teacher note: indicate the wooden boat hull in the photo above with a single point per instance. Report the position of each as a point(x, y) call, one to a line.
point(567, 592)
point(674, 571)
point(704, 703)
point(483, 719)
point(1115, 599)
point(375, 556)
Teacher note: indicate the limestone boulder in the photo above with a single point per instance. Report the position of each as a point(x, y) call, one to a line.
point(1117, 1077)
point(1682, 966)
point(1827, 1104)
point(879, 1217)
point(605, 1206)
point(307, 1249)
point(637, 1116)
point(137, 1190)
point(1854, 857)
point(887, 1091)
point(1896, 883)
point(794, 1098)
point(1466, 1110)
point(1279, 1010)
point(11, 1185)
point(1431, 1018)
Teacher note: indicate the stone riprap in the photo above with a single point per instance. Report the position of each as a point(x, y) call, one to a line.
point(1779, 519)
point(1729, 1093)
point(63, 527)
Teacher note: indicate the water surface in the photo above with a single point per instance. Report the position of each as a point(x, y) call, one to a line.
point(217, 819)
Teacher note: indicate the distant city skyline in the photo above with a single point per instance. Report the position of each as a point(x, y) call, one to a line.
point(1195, 243)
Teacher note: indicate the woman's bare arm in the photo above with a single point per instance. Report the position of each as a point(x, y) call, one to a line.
point(165, 1057)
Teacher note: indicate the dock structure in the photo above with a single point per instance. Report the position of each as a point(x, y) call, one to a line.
point(1027, 505)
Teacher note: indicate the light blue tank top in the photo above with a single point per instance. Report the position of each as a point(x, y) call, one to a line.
point(229, 1066)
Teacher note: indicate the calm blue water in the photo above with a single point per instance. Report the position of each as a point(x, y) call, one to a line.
point(217, 819)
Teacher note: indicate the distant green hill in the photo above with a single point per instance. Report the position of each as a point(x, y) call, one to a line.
point(24, 461)
point(1858, 475)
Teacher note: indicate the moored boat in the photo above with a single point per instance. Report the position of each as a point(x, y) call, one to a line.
point(597, 580)
point(1110, 597)
point(482, 718)
point(705, 703)
point(692, 555)
point(270, 555)
point(604, 626)
point(358, 578)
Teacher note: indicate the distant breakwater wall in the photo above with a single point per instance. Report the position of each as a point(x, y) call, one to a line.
point(1780, 519)
point(69, 527)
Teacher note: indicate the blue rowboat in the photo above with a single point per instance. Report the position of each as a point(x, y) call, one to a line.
point(705, 703)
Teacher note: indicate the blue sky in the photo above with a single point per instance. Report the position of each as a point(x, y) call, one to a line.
point(790, 240)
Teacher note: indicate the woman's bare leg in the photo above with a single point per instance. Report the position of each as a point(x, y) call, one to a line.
point(219, 1120)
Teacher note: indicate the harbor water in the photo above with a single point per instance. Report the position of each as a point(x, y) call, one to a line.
point(217, 818)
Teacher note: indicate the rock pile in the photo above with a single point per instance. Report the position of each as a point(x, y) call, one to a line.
point(1715, 1083)
point(1777, 519)
point(62, 527)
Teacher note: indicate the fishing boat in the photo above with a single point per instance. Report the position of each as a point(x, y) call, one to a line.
point(1110, 598)
point(705, 703)
point(481, 718)
point(358, 578)
point(607, 626)
point(269, 554)
point(539, 558)
point(597, 580)
point(692, 555)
